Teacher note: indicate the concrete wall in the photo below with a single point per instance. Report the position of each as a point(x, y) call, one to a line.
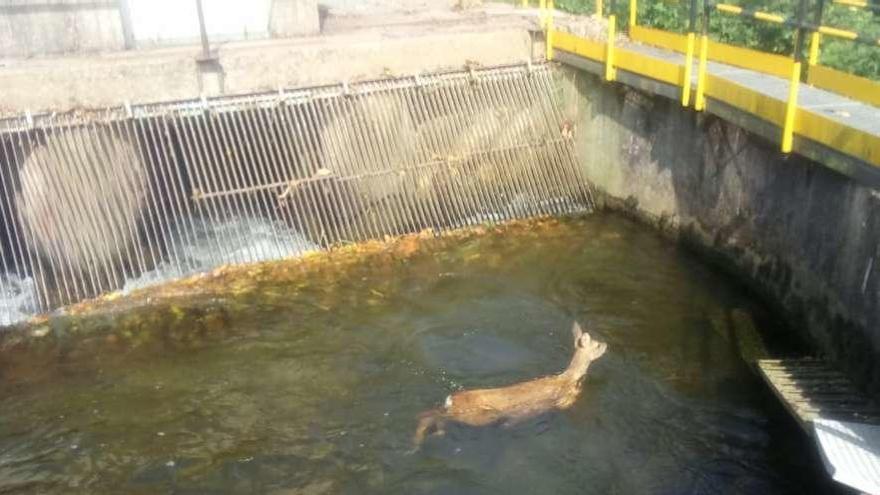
point(801, 235)
point(172, 74)
point(48, 27)
point(39, 27)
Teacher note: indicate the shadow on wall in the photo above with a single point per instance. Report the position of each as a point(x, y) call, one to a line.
point(803, 236)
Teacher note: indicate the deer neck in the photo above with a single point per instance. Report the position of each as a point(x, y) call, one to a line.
point(577, 368)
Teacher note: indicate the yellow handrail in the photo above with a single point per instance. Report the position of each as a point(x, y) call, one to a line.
point(700, 98)
point(633, 11)
point(688, 68)
point(610, 71)
point(791, 108)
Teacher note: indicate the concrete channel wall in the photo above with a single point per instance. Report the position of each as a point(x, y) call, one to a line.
point(805, 237)
point(31, 28)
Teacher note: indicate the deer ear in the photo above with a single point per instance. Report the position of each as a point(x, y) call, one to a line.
point(576, 332)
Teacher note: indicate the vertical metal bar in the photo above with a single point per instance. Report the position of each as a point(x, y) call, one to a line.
point(114, 218)
point(816, 37)
point(702, 66)
point(548, 38)
point(420, 175)
point(545, 87)
point(431, 152)
point(112, 124)
point(547, 172)
point(160, 220)
point(687, 76)
point(5, 167)
point(692, 16)
point(610, 72)
point(175, 224)
point(186, 129)
point(207, 160)
point(501, 90)
point(282, 164)
point(502, 163)
point(203, 30)
point(70, 201)
point(800, 32)
point(181, 198)
point(342, 110)
point(83, 166)
point(513, 162)
point(312, 111)
point(7, 172)
point(480, 156)
point(504, 160)
point(411, 184)
point(218, 150)
point(791, 108)
point(456, 152)
point(372, 135)
point(455, 205)
point(633, 13)
point(125, 21)
point(319, 211)
point(394, 114)
point(26, 264)
point(308, 161)
point(258, 130)
point(238, 173)
point(129, 133)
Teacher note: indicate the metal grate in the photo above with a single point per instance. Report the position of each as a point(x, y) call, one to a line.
point(93, 201)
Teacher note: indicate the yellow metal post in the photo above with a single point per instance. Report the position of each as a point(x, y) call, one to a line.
point(700, 98)
point(688, 70)
point(542, 5)
point(610, 71)
point(599, 8)
point(791, 108)
point(548, 38)
point(633, 11)
point(815, 39)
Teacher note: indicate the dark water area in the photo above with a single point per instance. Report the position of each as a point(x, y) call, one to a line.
point(309, 381)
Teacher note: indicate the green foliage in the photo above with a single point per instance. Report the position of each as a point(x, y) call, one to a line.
point(845, 55)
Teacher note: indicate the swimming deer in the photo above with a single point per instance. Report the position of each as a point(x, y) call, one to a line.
point(513, 404)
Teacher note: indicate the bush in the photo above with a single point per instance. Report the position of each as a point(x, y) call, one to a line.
point(839, 54)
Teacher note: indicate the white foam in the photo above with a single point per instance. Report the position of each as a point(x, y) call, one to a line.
point(205, 245)
point(18, 299)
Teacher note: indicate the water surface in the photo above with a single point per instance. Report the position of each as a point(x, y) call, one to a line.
point(307, 377)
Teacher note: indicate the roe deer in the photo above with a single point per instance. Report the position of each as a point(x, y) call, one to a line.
point(515, 403)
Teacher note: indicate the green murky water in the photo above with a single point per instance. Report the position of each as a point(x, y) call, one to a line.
point(309, 380)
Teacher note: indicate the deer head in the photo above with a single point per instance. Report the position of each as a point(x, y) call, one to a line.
point(586, 350)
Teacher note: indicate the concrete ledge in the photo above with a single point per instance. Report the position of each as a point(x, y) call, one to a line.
point(172, 74)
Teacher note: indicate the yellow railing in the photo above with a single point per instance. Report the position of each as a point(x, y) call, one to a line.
point(851, 86)
point(786, 114)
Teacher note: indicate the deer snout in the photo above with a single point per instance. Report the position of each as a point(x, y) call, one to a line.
point(597, 349)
